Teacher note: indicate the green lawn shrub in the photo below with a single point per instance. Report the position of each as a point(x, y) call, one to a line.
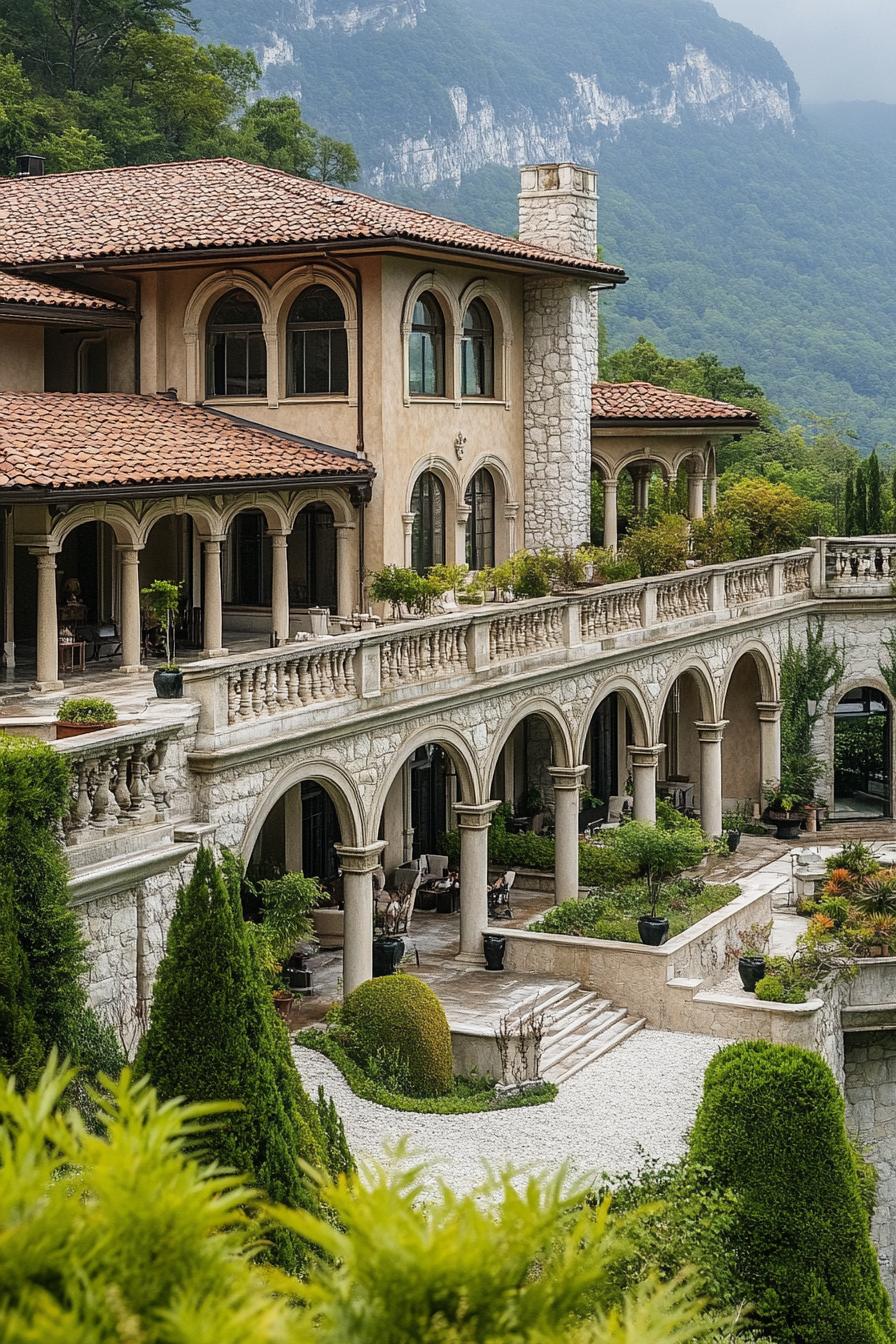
point(614, 915)
point(87, 709)
point(396, 1024)
point(771, 1129)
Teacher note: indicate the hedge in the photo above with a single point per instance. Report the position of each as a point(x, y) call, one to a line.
point(771, 1129)
point(470, 1102)
point(398, 1023)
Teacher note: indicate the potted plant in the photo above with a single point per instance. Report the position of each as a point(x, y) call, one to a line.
point(162, 598)
point(750, 953)
point(656, 856)
point(283, 1001)
point(733, 826)
point(494, 945)
point(785, 810)
point(388, 946)
point(84, 714)
point(283, 931)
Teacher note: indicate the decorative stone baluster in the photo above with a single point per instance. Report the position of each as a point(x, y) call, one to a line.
point(158, 780)
point(137, 779)
point(101, 817)
point(80, 812)
point(122, 792)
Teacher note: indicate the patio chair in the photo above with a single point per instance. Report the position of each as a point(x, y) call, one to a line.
point(499, 906)
point(395, 910)
point(436, 865)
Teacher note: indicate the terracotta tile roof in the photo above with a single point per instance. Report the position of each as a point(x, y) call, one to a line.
point(71, 440)
point(637, 402)
point(220, 204)
point(17, 289)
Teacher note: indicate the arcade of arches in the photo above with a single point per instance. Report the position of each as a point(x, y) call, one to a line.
point(545, 784)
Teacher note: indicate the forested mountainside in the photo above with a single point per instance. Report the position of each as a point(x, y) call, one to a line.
point(750, 227)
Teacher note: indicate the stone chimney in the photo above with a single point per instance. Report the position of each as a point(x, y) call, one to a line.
point(558, 210)
point(558, 207)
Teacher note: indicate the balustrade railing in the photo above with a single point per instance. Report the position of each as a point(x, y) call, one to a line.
point(867, 563)
point(119, 780)
point(322, 675)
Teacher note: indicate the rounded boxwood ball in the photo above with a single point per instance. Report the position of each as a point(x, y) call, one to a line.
point(398, 1019)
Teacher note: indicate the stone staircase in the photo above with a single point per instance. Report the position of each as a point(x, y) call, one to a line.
point(580, 1027)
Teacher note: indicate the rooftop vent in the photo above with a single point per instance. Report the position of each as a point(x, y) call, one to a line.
point(29, 165)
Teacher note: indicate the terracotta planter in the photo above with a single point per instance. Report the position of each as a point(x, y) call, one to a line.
point(66, 729)
point(283, 1001)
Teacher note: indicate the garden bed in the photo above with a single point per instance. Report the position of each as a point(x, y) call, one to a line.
point(614, 915)
point(470, 1095)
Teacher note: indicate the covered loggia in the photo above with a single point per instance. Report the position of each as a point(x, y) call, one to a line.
point(619, 756)
point(863, 754)
point(751, 744)
point(690, 766)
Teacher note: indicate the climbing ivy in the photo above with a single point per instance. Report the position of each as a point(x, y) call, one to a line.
point(807, 674)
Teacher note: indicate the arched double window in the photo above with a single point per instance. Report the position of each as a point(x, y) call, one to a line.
point(316, 344)
point(236, 356)
point(428, 535)
point(478, 352)
point(426, 349)
point(480, 496)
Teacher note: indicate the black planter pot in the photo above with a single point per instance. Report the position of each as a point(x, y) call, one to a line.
point(652, 930)
point(733, 841)
point(751, 971)
point(493, 945)
point(388, 954)
point(787, 825)
point(168, 685)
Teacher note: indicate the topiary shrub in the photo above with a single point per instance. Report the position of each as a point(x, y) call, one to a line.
point(771, 1129)
point(396, 1023)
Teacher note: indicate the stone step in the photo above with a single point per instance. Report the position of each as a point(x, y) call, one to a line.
point(542, 1000)
point(574, 1003)
point(571, 1042)
point(578, 1018)
point(601, 1045)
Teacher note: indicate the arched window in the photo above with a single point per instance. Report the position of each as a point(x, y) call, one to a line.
point(480, 496)
point(428, 536)
point(316, 344)
point(478, 352)
point(426, 349)
point(236, 364)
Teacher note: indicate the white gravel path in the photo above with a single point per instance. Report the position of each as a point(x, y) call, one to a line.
point(639, 1099)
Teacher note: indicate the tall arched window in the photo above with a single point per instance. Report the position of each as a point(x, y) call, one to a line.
point(236, 363)
point(480, 495)
point(428, 536)
point(478, 352)
point(316, 344)
point(426, 349)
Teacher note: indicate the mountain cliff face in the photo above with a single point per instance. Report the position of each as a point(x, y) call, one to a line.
point(749, 228)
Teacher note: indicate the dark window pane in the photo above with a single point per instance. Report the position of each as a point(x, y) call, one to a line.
point(428, 535)
point(236, 363)
point(317, 361)
point(318, 303)
point(426, 362)
point(317, 345)
point(338, 363)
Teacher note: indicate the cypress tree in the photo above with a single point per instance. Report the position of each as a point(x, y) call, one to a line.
point(849, 506)
point(874, 503)
point(20, 1047)
point(771, 1129)
point(214, 1036)
point(861, 503)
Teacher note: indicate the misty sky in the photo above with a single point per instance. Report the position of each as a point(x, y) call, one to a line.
point(838, 48)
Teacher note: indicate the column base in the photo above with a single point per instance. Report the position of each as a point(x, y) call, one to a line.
point(40, 687)
point(470, 958)
point(214, 653)
point(130, 668)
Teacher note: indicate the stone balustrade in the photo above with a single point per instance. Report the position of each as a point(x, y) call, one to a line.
point(856, 566)
point(320, 676)
point(118, 780)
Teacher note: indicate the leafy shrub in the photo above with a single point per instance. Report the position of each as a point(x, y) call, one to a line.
point(855, 858)
point(772, 518)
point(876, 894)
point(771, 989)
point(398, 1018)
point(771, 1129)
point(614, 915)
point(339, 1157)
point(406, 588)
point(87, 709)
point(608, 566)
point(717, 541)
point(656, 855)
point(836, 909)
point(658, 548)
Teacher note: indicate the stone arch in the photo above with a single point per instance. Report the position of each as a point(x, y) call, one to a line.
point(275, 511)
point(705, 686)
point(828, 717)
point(447, 475)
point(284, 294)
point(632, 697)
point(433, 282)
point(337, 501)
point(456, 747)
point(502, 322)
point(206, 519)
point(646, 455)
point(557, 725)
point(126, 530)
point(764, 663)
point(695, 458)
point(200, 303)
point(338, 784)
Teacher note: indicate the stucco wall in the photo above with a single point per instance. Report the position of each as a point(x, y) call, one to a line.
point(22, 361)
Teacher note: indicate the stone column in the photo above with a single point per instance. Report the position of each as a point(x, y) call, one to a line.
point(292, 829)
point(346, 570)
point(129, 557)
point(695, 496)
point(710, 735)
point(769, 741)
point(566, 782)
point(611, 524)
point(462, 515)
point(645, 762)
point(279, 587)
point(473, 820)
point(713, 493)
point(212, 606)
point(47, 623)
point(357, 866)
point(407, 522)
point(9, 605)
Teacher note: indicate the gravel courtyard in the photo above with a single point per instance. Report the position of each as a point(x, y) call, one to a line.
point(639, 1099)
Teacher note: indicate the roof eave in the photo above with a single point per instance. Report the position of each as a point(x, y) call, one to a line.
point(41, 494)
point(718, 426)
point(12, 311)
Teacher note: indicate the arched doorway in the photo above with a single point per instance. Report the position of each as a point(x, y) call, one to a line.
point(311, 551)
point(742, 765)
point(299, 835)
point(862, 755)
